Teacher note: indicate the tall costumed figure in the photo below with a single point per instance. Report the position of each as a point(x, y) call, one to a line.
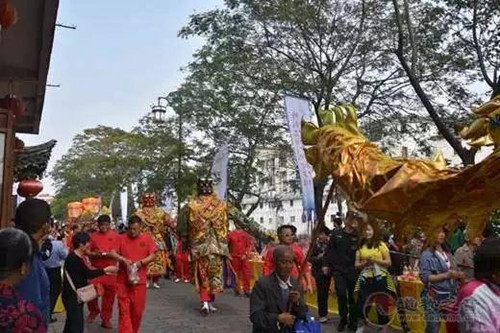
point(203, 226)
point(155, 221)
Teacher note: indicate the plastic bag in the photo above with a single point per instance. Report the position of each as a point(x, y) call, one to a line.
point(133, 274)
point(303, 326)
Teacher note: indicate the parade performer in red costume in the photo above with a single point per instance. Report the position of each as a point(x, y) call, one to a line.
point(182, 263)
point(103, 247)
point(240, 246)
point(137, 250)
point(286, 236)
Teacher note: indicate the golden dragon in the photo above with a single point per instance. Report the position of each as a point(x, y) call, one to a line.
point(408, 192)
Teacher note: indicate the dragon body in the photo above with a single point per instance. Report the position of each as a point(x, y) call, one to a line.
point(408, 192)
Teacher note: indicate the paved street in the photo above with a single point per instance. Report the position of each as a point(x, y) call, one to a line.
point(174, 308)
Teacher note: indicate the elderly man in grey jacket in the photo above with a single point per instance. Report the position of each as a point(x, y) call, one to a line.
point(276, 301)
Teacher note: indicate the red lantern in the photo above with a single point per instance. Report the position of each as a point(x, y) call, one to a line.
point(19, 144)
point(8, 14)
point(29, 188)
point(14, 104)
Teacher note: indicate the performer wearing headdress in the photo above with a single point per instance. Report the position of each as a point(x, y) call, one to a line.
point(204, 228)
point(154, 222)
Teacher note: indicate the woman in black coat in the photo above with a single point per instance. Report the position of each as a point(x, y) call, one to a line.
point(80, 274)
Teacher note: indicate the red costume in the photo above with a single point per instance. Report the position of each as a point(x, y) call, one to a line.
point(299, 261)
point(132, 297)
point(182, 262)
point(240, 246)
point(102, 243)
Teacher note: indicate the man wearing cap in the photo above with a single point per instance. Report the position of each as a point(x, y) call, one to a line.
point(286, 236)
point(322, 280)
point(339, 259)
point(103, 246)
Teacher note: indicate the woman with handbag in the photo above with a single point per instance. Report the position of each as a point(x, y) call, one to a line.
point(76, 289)
point(440, 277)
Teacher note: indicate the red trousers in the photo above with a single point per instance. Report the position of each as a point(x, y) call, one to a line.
point(131, 304)
point(107, 300)
point(205, 296)
point(243, 272)
point(182, 266)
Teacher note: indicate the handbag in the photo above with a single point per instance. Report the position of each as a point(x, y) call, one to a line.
point(306, 326)
point(83, 294)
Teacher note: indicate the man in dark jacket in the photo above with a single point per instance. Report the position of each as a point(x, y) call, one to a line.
point(339, 259)
point(322, 280)
point(276, 301)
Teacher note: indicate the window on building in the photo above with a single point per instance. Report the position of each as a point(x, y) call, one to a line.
point(291, 203)
point(270, 220)
point(281, 219)
point(292, 219)
point(261, 220)
point(261, 205)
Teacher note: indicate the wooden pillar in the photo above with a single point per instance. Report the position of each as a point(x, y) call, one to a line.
point(7, 141)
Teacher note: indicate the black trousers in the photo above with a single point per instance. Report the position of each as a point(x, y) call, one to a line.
point(344, 287)
point(55, 279)
point(74, 314)
point(323, 286)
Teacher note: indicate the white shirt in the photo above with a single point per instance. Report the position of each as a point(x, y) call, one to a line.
point(284, 284)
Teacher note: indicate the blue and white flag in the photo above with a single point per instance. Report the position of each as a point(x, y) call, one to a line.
point(219, 171)
point(168, 202)
point(296, 109)
point(124, 204)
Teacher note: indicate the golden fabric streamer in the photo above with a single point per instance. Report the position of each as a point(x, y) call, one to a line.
point(407, 192)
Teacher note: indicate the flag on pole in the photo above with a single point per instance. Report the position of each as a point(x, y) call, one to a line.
point(124, 204)
point(219, 171)
point(168, 202)
point(296, 109)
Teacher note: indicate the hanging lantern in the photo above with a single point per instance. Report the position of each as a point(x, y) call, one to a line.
point(13, 104)
point(8, 14)
point(75, 209)
point(29, 188)
point(18, 144)
point(91, 205)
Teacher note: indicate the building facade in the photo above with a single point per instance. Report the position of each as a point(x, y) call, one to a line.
point(280, 200)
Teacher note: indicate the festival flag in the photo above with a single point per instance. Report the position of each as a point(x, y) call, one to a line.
point(219, 171)
point(124, 204)
point(296, 109)
point(168, 201)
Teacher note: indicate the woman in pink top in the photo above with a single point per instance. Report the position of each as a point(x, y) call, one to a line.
point(479, 300)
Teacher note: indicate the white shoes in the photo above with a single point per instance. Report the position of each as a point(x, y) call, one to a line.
point(212, 307)
point(186, 281)
point(147, 284)
point(156, 286)
point(323, 319)
point(177, 280)
point(205, 309)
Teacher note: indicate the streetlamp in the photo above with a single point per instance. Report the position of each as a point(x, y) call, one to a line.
point(159, 114)
point(159, 111)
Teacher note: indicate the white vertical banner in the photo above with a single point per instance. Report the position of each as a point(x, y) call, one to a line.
point(219, 171)
point(124, 204)
point(135, 194)
point(296, 109)
point(169, 199)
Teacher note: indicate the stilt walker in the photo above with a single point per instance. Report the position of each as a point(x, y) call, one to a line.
point(204, 225)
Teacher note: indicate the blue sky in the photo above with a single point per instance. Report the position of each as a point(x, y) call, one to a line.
point(122, 56)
